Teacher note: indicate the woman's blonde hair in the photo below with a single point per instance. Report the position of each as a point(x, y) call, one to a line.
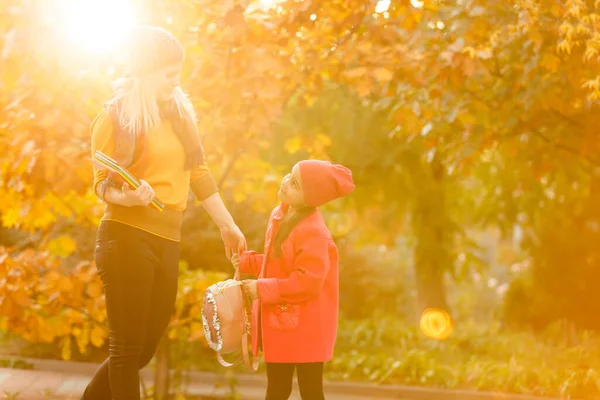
point(139, 110)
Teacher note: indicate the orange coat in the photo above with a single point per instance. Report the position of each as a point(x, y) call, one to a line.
point(296, 316)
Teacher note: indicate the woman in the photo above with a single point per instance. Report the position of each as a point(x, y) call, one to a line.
point(149, 127)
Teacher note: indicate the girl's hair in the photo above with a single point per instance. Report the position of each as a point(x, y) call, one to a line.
point(139, 109)
point(287, 226)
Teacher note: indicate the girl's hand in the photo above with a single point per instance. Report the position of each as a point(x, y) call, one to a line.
point(142, 196)
point(235, 260)
point(251, 288)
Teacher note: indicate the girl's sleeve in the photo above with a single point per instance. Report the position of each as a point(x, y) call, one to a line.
point(311, 268)
point(102, 139)
point(251, 263)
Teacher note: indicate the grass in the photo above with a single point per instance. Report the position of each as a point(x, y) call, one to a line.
point(473, 357)
point(479, 357)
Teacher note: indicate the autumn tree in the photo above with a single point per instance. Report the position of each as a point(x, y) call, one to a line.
point(484, 112)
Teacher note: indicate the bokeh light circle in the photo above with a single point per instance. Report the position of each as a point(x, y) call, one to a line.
point(436, 323)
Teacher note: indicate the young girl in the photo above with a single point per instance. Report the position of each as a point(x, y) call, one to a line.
point(296, 294)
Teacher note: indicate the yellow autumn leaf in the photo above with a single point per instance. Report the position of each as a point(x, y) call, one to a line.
point(356, 72)
point(10, 217)
point(83, 339)
point(173, 333)
point(196, 331)
point(200, 285)
point(292, 145)
point(466, 118)
point(556, 9)
point(20, 298)
point(383, 74)
point(309, 100)
point(323, 140)
point(195, 310)
point(593, 84)
point(364, 88)
point(590, 52)
point(408, 23)
point(98, 335)
point(65, 284)
point(594, 96)
point(66, 348)
point(94, 289)
point(62, 246)
point(364, 47)
point(564, 47)
point(45, 332)
point(550, 62)
point(58, 205)
point(469, 50)
point(97, 313)
point(239, 194)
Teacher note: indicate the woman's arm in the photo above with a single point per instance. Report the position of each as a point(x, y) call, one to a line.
point(103, 139)
point(206, 191)
point(232, 236)
point(142, 196)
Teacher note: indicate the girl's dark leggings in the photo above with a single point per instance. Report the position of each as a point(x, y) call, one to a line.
point(280, 376)
point(139, 274)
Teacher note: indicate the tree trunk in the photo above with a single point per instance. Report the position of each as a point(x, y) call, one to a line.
point(161, 374)
point(431, 256)
point(430, 282)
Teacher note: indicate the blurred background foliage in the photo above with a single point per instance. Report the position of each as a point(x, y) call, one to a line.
point(471, 128)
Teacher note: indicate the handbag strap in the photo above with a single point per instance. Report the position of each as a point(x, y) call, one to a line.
point(226, 364)
point(245, 356)
point(253, 366)
point(247, 335)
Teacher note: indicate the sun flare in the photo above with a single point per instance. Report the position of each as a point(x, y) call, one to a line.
point(96, 26)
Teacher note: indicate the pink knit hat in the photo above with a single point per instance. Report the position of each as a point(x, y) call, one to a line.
point(323, 181)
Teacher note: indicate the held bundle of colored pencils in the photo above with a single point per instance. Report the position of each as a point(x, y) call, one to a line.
point(104, 161)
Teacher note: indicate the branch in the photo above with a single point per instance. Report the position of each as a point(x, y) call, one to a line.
point(229, 167)
point(30, 241)
point(567, 148)
point(340, 42)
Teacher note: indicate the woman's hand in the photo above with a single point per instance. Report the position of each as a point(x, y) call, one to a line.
point(233, 239)
point(235, 260)
point(142, 196)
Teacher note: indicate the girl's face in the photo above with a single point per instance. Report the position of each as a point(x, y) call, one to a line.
point(290, 192)
point(166, 80)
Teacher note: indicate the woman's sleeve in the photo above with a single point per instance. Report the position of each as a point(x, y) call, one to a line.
point(202, 182)
point(102, 139)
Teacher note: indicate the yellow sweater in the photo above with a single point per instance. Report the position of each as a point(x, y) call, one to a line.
point(162, 166)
